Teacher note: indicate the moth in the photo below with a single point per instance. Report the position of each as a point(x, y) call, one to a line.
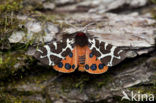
point(82, 51)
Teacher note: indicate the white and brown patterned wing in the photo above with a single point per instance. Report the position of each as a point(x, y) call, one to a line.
point(108, 54)
point(51, 54)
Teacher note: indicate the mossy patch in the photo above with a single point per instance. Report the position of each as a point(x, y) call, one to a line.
point(1, 60)
point(153, 62)
point(11, 62)
point(10, 5)
point(153, 11)
point(153, 1)
point(148, 90)
point(105, 79)
point(8, 98)
point(144, 89)
point(81, 81)
point(35, 78)
point(8, 20)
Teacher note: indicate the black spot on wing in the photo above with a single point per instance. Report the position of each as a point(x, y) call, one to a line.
point(91, 55)
point(60, 64)
point(101, 66)
point(71, 54)
point(86, 66)
point(93, 67)
point(67, 66)
point(73, 66)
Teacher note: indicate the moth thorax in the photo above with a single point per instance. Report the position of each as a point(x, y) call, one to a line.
point(81, 39)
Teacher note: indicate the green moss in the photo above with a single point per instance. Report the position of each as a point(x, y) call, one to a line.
point(20, 93)
point(1, 62)
point(154, 62)
point(153, 11)
point(8, 20)
point(69, 81)
point(81, 81)
point(40, 75)
point(8, 98)
point(104, 82)
point(36, 79)
point(144, 89)
point(7, 15)
point(153, 1)
point(45, 17)
point(7, 66)
point(10, 5)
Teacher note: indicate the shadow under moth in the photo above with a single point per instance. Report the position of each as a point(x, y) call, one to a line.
point(82, 51)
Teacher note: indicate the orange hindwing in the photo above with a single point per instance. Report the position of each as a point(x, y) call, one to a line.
point(93, 65)
point(67, 65)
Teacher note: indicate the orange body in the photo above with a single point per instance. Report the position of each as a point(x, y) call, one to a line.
point(81, 51)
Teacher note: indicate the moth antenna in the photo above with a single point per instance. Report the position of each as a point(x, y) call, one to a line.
point(70, 24)
point(86, 27)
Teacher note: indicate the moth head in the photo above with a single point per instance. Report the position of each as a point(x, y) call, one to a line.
point(80, 34)
point(81, 39)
